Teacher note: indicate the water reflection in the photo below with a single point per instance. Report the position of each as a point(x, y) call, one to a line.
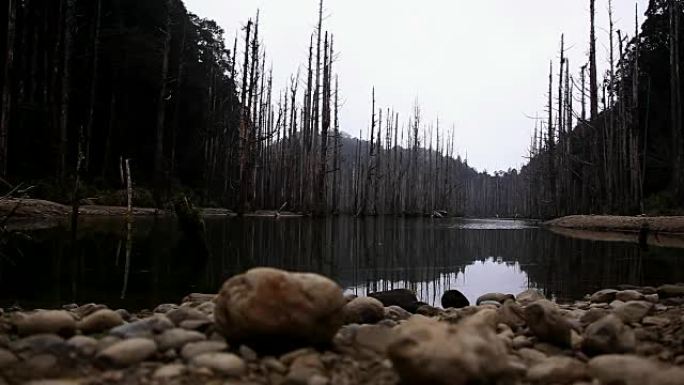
point(426, 255)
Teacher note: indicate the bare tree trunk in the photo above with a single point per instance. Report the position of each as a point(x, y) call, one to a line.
point(675, 102)
point(93, 83)
point(161, 105)
point(177, 95)
point(66, 87)
point(593, 82)
point(6, 108)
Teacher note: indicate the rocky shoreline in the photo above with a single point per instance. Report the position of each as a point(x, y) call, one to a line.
point(273, 327)
point(659, 225)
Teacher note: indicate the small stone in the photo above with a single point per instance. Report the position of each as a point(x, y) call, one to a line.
point(529, 296)
point(304, 368)
point(652, 298)
point(176, 338)
point(494, 297)
point(615, 304)
point(558, 370)
point(247, 353)
point(127, 352)
point(629, 295)
point(125, 315)
point(46, 321)
point(546, 322)
point(608, 335)
point(403, 298)
point(492, 304)
point(180, 315)
point(41, 364)
point(199, 298)
point(207, 308)
point(454, 299)
point(165, 308)
point(373, 337)
point(512, 314)
point(193, 349)
point(225, 363)
point(603, 296)
point(655, 321)
point(99, 321)
point(633, 370)
point(633, 311)
point(363, 310)
point(396, 313)
point(272, 364)
point(106, 341)
point(170, 371)
point(87, 309)
point(593, 315)
point(143, 328)
point(670, 291)
point(521, 342)
point(38, 343)
point(7, 358)
point(531, 356)
point(85, 346)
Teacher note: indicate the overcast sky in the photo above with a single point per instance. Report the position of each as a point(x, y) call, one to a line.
point(480, 65)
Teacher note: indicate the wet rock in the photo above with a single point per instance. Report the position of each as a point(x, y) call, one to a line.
point(608, 335)
point(85, 346)
point(7, 358)
point(224, 363)
point(46, 321)
point(403, 298)
point(454, 299)
point(127, 352)
point(496, 297)
point(633, 311)
point(545, 321)
point(633, 370)
point(629, 295)
point(272, 305)
point(427, 351)
point(558, 370)
point(670, 291)
point(396, 313)
point(363, 310)
point(170, 371)
point(99, 321)
point(603, 296)
point(143, 328)
point(177, 338)
point(180, 315)
point(528, 296)
point(193, 349)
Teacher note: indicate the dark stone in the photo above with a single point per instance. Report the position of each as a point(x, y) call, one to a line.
point(454, 299)
point(403, 298)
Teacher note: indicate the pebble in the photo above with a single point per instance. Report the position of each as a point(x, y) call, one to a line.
point(454, 299)
point(531, 356)
point(593, 315)
point(608, 335)
point(180, 315)
point(86, 346)
point(273, 364)
point(603, 296)
point(655, 321)
point(629, 295)
point(396, 313)
point(193, 349)
point(558, 370)
point(38, 343)
point(143, 328)
point(170, 371)
point(670, 291)
point(46, 321)
point(494, 297)
point(363, 310)
point(40, 365)
point(633, 311)
point(127, 352)
point(521, 342)
point(176, 338)
point(528, 296)
point(165, 308)
point(199, 298)
point(225, 363)
point(99, 321)
point(7, 358)
point(633, 370)
point(404, 298)
point(87, 309)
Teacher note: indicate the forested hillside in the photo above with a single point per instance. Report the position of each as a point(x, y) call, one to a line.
point(612, 143)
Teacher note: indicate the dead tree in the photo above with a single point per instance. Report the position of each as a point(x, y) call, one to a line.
point(675, 101)
point(593, 81)
point(6, 107)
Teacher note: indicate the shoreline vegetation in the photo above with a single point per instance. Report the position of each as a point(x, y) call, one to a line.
point(309, 332)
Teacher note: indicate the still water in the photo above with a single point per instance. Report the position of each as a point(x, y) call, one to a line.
point(157, 263)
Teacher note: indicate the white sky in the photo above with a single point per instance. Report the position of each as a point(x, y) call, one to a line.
point(481, 65)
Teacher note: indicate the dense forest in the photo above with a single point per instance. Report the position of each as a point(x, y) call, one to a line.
point(87, 85)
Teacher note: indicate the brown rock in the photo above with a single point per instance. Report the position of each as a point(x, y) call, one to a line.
point(363, 310)
point(546, 322)
point(46, 321)
point(608, 335)
point(558, 370)
point(99, 321)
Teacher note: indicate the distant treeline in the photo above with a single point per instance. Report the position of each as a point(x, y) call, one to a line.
point(613, 146)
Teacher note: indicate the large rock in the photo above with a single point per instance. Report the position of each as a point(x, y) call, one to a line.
point(454, 299)
point(548, 324)
point(608, 335)
point(127, 352)
point(633, 370)
point(426, 351)
point(403, 298)
point(46, 321)
point(670, 291)
point(270, 306)
point(364, 310)
point(100, 321)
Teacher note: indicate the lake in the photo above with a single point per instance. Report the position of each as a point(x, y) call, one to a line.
point(159, 264)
